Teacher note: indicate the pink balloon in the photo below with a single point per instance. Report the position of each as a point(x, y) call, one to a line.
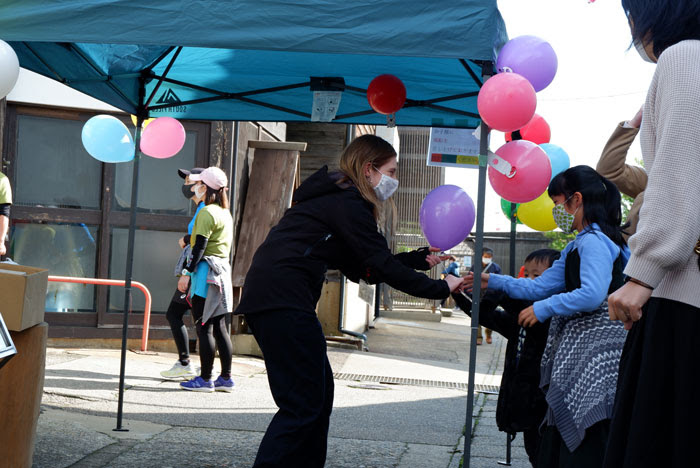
point(532, 172)
point(507, 102)
point(163, 138)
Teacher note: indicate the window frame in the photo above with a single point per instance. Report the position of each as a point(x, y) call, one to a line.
point(104, 218)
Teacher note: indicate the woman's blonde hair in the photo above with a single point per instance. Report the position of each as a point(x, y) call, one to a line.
point(362, 150)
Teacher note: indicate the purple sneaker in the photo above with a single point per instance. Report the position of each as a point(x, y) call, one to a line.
point(221, 385)
point(198, 384)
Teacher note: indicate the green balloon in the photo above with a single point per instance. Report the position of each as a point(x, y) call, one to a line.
point(505, 207)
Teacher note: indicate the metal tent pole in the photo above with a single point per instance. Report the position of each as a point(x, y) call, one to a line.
point(140, 117)
point(486, 71)
point(513, 223)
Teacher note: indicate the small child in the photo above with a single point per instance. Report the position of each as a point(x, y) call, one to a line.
point(521, 403)
point(582, 356)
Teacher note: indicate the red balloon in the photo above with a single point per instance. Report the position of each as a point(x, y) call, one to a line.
point(506, 102)
point(537, 131)
point(386, 94)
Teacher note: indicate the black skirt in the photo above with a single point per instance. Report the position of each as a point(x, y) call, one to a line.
point(656, 420)
point(553, 453)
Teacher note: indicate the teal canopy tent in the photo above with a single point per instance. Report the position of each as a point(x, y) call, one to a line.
point(260, 60)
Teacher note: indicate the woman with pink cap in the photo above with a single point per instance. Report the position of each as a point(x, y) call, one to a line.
point(207, 275)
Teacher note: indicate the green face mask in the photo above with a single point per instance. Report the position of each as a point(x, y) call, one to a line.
point(563, 219)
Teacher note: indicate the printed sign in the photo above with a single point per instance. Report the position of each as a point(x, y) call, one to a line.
point(454, 147)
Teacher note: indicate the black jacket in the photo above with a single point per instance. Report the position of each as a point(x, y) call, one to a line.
point(328, 227)
point(521, 402)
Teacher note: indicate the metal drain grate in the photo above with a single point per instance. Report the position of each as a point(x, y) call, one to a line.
point(493, 389)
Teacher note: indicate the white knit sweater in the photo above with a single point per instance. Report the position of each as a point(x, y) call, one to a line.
point(669, 221)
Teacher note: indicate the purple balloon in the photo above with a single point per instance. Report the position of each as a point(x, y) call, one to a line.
point(446, 216)
point(530, 57)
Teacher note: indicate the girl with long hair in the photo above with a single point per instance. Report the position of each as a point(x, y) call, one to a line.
point(579, 366)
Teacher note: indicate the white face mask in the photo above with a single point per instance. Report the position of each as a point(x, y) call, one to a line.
point(386, 187)
point(486, 260)
point(200, 191)
point(641, 51)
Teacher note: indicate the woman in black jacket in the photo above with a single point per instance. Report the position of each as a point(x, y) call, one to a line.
point(332, 224)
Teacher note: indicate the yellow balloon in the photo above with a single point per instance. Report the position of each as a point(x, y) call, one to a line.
point(145, 122)
point(537, 214)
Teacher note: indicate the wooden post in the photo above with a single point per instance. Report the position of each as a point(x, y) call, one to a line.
point(270, 187)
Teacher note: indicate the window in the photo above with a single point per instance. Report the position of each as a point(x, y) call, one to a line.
point(52, 167)
point(71, 214)
point(155, 255)
point(64, 250)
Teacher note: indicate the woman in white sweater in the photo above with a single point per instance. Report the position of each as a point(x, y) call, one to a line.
point(657, 409)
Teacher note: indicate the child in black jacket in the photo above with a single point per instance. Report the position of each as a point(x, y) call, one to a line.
point(521, 403)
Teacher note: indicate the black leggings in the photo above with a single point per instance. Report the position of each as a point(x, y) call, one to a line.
point(176, 311)
point(213, 333)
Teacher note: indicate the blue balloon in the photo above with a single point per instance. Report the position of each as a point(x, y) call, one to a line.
point(558, 158)
point(107, 139)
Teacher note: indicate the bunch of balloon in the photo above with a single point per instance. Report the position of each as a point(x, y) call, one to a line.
point(163, 138)
point(557, 158)
point(9, 69)
point(386, 95)
point(519, 171)
point(505, 208)
point(537, 214)
point(447, 216)
point(107, 139)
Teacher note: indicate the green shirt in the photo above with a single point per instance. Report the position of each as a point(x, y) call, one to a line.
point(214, 223)
point(5, 190)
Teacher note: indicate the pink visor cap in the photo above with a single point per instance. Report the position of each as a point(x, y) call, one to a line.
point(212, 177)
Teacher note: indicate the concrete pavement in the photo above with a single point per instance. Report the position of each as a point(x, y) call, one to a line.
point(402, 405)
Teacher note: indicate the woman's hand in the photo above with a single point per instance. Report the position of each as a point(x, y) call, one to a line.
point(527, 317)
point(454, 283)
point(636, 121)
point(181, 242)
point(626, 303)
point(434, 260)
point(183, 283)
point(469, 281)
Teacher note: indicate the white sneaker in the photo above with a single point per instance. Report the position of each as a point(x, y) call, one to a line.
point(179, 372)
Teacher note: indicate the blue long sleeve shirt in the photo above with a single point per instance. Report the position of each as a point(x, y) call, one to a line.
point(597, 252)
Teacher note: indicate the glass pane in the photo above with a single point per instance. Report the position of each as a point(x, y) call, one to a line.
point(64, 250)
point(159, 183)
point(155, 255)
point(53, 168)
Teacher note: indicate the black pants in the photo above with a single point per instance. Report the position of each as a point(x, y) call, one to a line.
point(176, 311)
point(531, 439)
point(301, 382)
point(213, 333)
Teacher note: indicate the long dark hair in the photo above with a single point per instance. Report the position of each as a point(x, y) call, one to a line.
point(663, 22)
point(601, 199)
point(216, 196)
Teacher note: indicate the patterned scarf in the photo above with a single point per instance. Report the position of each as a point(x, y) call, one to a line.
point(579, 371)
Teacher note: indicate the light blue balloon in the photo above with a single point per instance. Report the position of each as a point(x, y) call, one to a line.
point(558, 158)
point(107, 139)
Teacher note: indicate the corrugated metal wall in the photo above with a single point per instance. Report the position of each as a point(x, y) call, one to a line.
point(415, 181)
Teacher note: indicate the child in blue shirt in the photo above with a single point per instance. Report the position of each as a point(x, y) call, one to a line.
point(581, 358)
